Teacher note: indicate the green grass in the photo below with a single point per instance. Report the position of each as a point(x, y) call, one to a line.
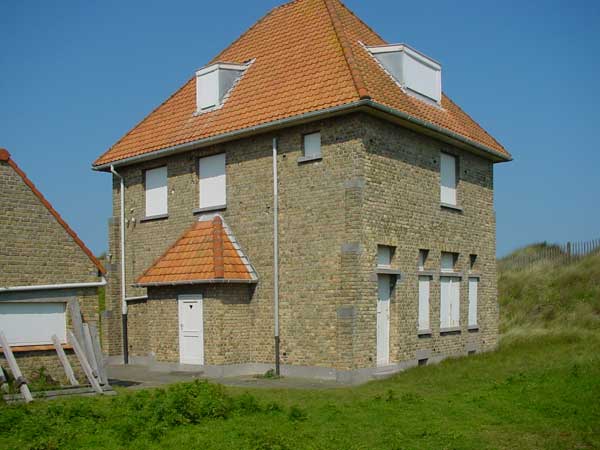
point(540, 390)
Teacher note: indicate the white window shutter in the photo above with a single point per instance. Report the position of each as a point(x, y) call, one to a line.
point(312, 145)
point(33, 323)
point(445, 286)
point(455, 308)
point(424, 284)
point(448, 179)
point(473, 288)
point(213, 182)
point(156, 192)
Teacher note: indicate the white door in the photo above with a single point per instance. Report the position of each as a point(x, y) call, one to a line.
point(383, 320)
point(191, 330)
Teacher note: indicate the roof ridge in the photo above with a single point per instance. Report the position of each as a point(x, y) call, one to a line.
point(347, 51)
point(12, 163)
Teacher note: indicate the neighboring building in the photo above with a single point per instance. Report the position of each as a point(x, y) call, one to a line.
point(386, 224)
point(43, 265)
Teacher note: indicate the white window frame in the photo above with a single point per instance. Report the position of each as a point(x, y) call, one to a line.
point(311, 145)
point(448, 179)
point(473, 301)
point(424, 324)
point(449, 302)
point(156, 182)
point(212, 182)
point(33, 323)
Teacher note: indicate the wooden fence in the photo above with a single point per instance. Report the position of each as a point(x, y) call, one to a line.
point(549, 253)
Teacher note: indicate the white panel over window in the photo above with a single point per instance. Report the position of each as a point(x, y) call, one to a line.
point(312, 145)
point(156, 192)
point(384, 255)
point(424, 284)
point(448, 179)
point(448, 262)
point(450, 302)
point(32, 323)
point(473, 288)
point(213, 182)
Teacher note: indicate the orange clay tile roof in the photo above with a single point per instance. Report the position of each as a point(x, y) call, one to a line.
point(206, 253)
point(309, 55)
point(6, 157)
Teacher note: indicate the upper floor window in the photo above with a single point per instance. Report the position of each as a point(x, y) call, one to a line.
point(312, 145)
point(212, 182)
point(423, 254)
point(448, 179)
point(384, 255)
point(156, 192)
point(448, 263)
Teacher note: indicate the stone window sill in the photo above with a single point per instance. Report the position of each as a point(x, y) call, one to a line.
point(424, 333)
point(36, 348)
point(426, 273)
point(473, 328)
point(450, 330)
point(209, 209)
point(152, 218)
point(451, 207)
point(307, 159)
point(451, 274)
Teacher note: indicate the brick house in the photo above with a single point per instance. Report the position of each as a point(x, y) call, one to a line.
point(43, 265)
point(311, 183)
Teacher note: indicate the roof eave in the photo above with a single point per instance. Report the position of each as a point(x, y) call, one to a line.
point(365, 104)
point(193, 282)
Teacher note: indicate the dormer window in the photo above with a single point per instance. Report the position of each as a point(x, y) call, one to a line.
point(416, 73)
point(214, 82)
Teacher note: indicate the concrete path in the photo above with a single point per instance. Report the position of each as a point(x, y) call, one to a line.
point(140, 377)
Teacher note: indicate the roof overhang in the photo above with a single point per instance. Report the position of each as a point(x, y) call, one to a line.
point(365, 105)
point(194, 282)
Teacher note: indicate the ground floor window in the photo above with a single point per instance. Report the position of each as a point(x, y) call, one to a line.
point(449, 302)
point(473, 293)
point(424, 285)
point(32, 323)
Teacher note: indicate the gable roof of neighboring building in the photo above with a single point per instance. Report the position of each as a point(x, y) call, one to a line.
point(309, 57)
point(6, 157)
point(206, 253)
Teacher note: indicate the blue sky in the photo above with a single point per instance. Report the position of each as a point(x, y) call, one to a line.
point(75, 76)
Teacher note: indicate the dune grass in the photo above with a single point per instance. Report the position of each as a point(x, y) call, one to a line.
point(540, 390)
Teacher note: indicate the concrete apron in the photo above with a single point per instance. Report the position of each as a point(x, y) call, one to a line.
point(148, 372)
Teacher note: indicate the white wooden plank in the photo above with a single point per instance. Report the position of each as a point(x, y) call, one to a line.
point(84, 363)
point(64, 361)
point(98, 354)
point(3, 382)
point(89, 350)
point(14, 367)
point(76, 319)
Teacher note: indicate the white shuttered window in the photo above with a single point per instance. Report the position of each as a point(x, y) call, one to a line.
point(450, 302)
point(32, 323)
point(473, 288)
point(156, 192)
point(213, 182)
point(448, 179)
point(312, 145)
point(424, 284)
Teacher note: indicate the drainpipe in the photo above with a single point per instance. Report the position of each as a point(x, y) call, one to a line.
point(276, 256)
point(123, 294)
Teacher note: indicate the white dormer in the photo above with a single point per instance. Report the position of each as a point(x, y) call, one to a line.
point(412, 70)
point(214, 82)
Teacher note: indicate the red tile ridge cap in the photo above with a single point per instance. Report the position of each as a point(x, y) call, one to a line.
point(4, 155)
point(217, 243)
point(361, 89)
point(11, 162)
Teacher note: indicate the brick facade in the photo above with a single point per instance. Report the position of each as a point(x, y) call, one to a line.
point(377, 183)
point(35, 249)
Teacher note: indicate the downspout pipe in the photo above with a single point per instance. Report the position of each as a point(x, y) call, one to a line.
point(123, 293)
point(276, 256)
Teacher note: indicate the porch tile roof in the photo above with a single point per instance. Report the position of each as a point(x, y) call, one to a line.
point(206, 253)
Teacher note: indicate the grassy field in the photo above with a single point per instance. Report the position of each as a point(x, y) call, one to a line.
point(541, 389)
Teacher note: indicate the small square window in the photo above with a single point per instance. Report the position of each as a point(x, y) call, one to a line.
point(423, 254)
point(448, 263)
point(384, 255)
point(312, 145)
point(472, 261)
